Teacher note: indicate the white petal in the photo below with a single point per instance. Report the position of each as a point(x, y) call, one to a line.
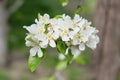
point(66, 52)
point(76, 52)
point(44, 43)
point(71, 34)
point(28, 43)
point(65, 38)
point(41, 37)
point(75, 41)
point(93, 40)
point(32, 29)
point(91, 45)
point(36, 21)
point(33, 51)
point(97, 39)
point(52, 43)
point(82, 47)
point(46, 16)
point(56, 35)
point(77, 18)
point(40, 53)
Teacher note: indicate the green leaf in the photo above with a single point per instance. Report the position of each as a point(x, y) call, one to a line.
point(39, 15)
point(58, 16)
point(69, 57)
point(64, 2)
point(79, 10)
point(61, 65)
point(34, 61)
point(61, 46)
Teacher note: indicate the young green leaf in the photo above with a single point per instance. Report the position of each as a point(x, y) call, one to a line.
point(61, 46)
point(39, 15)
point(64, 2)
point(79, 10)
point(69, 57)
point(34, 61)
point(58, 16)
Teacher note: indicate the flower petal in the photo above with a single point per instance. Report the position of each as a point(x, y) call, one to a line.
point(40, 53)
point(44, 44)
point(52, 43)
point(41, 37)
point(29, 43)
point(33, 51)
point(75, 51)
point(93, 40)
point(32, 29)
point(66, 52)
point(65, 38)
point(56, 35)
point(82, 47)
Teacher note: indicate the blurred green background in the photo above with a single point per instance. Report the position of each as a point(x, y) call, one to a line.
point(25, 14)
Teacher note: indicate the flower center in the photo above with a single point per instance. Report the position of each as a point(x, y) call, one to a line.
point(84, 27)
point(79, 37)
point(41, 31)
point(49, 36)
point(50, 26)
point(65, 31)
point(45, 20)
point(74, 24)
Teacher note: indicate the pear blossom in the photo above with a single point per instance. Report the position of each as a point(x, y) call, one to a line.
point(48, 38)
point(77, 34)
point(31, 41)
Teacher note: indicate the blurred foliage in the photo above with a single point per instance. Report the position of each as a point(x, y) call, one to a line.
point(4, 75)
point(61, 65)
point(10, 3)
point(118, 75)
point(86, 8)
point(74, 73)
point(85, 57)
point(26, 78)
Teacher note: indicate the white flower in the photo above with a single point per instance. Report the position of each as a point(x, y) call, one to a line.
point(43, 19)
point(48, 38)
point(64, 30)
point(93, 41)
point(35, 44)
point(33, 29)
point(75, 23)
point(74, 49)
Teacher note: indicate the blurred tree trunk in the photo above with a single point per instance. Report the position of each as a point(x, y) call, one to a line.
point(105, 58)
point(3, 33)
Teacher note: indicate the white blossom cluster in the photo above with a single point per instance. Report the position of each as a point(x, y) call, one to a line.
point(77, 33)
